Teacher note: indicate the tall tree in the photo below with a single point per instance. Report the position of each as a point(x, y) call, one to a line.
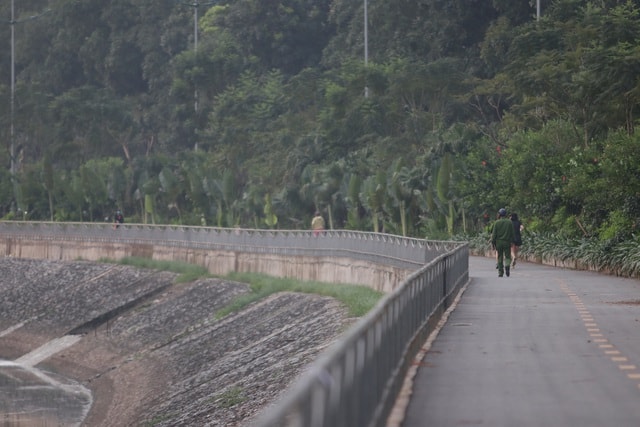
point(287, 35)
point(579, 64)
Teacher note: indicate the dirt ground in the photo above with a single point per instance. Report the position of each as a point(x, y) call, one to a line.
point(152, 352)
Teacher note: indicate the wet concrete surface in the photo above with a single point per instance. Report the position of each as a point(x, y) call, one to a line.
point(31, 397)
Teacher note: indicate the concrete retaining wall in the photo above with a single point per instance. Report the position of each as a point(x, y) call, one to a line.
point(324, 269)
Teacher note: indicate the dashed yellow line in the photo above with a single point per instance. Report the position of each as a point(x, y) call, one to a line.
point(598, 338)
point(619, 359)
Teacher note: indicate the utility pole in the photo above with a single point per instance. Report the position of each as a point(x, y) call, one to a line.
point(195, 5)
point(12, 150)
point(366, 46)
point(12, 138)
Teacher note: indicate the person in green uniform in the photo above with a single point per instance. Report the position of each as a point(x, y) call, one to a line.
point(502, 237)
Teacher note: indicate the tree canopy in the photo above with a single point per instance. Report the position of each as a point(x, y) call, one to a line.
point(261, 112)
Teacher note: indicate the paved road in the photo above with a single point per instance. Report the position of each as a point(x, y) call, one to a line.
point(546, 347)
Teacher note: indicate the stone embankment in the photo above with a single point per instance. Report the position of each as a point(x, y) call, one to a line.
point(150, 351)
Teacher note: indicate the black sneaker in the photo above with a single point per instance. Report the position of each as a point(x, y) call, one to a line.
point(506, 270)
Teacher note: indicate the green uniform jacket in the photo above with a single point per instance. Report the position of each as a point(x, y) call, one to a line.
point(503, 232)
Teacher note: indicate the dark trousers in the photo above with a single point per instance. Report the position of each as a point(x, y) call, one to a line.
point(504, 255)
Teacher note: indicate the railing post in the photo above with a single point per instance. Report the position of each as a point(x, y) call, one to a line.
point(444, 278)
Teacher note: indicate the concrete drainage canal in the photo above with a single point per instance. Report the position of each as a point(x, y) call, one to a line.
point(31, 397)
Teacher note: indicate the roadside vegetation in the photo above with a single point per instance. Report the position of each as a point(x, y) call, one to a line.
point(358, 299)
point(619, 257)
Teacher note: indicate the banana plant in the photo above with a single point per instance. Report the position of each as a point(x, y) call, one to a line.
point(400, 191)
point(353, 202)
point(271, 219)
point(373, 196)
point(224, 191)
point(444, 191)
point(172, 188)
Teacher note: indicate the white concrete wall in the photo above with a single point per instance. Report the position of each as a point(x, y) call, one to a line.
point(324, 269)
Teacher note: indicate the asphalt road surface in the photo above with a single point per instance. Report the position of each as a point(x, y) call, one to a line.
point(546, 347)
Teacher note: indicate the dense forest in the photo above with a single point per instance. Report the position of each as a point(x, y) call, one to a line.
point(255, 113)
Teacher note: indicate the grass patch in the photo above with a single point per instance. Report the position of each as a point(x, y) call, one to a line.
point(186, 272)
point(358, 299)
point(231, 397)
point(159, 419)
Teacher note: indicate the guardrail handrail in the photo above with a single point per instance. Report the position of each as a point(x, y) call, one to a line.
point(355, 382)
point(403, 252)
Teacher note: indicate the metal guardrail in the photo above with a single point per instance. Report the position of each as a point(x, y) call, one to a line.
point(385, 249)
point(355, 382)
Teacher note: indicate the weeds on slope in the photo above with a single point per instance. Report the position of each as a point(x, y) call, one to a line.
point(186, 272)
point(357, 298)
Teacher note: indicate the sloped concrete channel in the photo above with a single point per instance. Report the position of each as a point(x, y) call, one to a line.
point(84, 343)
point(31, 397)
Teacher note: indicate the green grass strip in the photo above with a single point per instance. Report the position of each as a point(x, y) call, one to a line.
point(357, 298)
point(186, 272)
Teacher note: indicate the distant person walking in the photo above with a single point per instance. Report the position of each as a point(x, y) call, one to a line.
point(502, 237)
point(317, 223)
point(118, 219)
point(517, 240)
point(493, 246)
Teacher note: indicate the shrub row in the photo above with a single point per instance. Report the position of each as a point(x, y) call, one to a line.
point(621, 258)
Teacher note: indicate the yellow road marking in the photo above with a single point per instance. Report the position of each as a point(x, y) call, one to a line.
point(627, 367)
point(593, 330)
